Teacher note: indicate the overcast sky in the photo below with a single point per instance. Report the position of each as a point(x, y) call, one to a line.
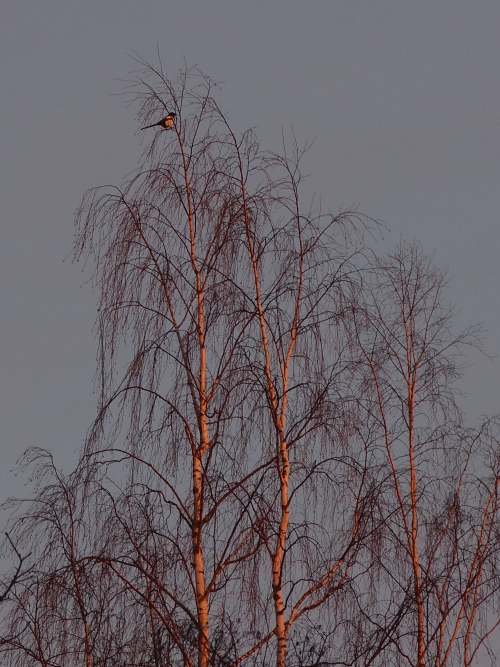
point(402, 98)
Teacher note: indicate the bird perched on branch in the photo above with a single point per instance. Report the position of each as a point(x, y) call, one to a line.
point(166, 123)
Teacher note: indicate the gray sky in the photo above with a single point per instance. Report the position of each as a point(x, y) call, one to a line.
point(402, 97)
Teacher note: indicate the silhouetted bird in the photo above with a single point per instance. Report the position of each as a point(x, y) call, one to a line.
point(166, 122)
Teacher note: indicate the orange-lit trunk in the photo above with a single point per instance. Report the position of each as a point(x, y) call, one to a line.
point(200, 407)
point(81, 606)
point(413, 538)
point(277, 560)
point(199, 572)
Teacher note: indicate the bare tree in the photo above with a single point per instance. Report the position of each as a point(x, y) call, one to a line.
point(223, 476)
point(57, 597)
point(436, 556)
point(279, 471)
point(301, 275)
